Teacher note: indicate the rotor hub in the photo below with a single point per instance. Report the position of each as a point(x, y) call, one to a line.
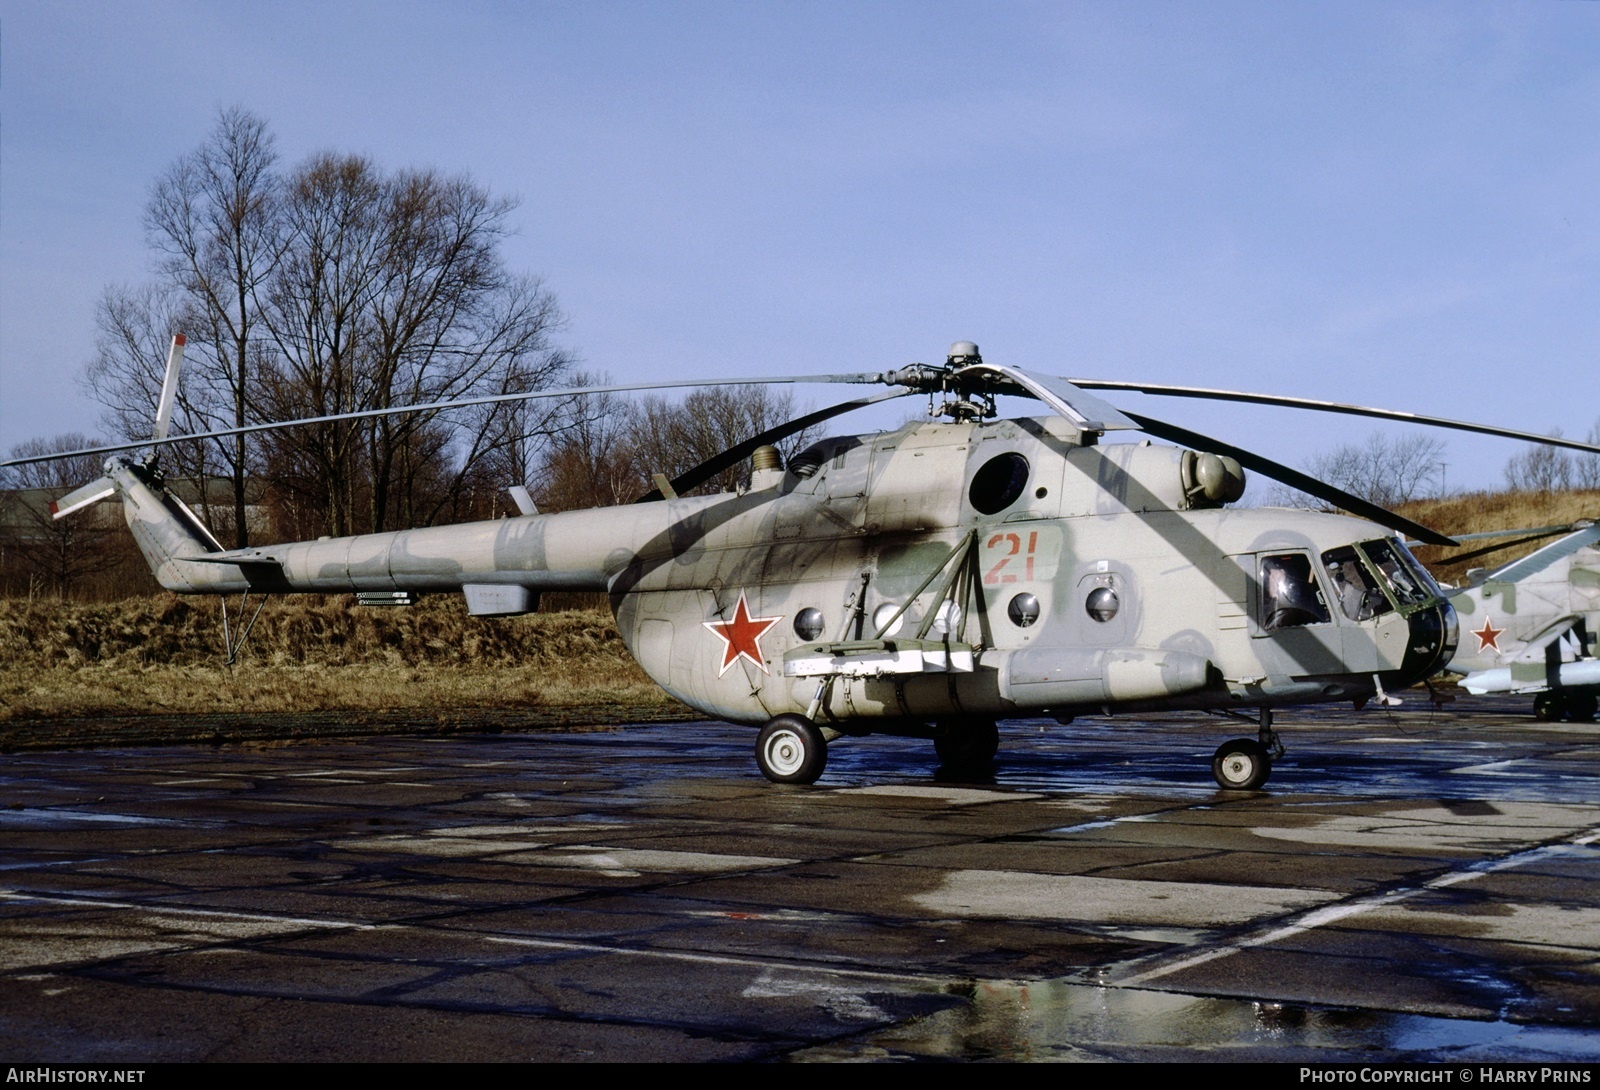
point(963, 354)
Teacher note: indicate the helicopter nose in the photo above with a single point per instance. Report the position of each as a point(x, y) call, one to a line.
point(1434, 632)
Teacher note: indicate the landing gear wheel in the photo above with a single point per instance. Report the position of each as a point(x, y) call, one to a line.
point(1549, 707)
point(966, 743)
point(790, 749)
point(1241, 765)
point(1581, 707)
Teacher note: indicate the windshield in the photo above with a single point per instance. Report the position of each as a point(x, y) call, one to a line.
point(1374, 577)
point(1408, 583)
point(1354, 586)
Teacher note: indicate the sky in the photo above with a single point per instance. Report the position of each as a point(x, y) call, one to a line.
point(1387, 203)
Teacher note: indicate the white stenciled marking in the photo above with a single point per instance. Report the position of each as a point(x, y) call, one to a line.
point(1321, 917)
point(843, 1003)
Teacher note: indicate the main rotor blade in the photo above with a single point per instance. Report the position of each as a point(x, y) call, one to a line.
point(1293, 478)
point(1208, 394)
point(709, 468)
point(873, 377)
point(1474, 554)
point(1532, 532)
point(1582, 538)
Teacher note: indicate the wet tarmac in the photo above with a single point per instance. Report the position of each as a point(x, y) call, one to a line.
point(1410, 886)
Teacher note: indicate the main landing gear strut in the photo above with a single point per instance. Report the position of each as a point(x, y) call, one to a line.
point(1244, 764)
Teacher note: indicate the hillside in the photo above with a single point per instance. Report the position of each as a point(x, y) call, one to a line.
point(1481, 512)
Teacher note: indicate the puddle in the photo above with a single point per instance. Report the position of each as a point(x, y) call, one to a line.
point(1056, 1020)
point(28, 818)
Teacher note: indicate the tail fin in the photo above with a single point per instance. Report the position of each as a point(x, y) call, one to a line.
point(162, 524)
point(167, 531)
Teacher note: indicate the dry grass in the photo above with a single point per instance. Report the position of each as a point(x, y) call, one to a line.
point(1481, 512)
point(162, 654)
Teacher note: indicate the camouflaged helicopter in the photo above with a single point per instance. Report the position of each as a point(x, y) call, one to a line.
point(924, 581)
point(1537, 622)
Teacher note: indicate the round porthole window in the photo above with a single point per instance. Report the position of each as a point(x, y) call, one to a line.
point(1023, 610)
point(1102, 603)
point(808, 624)
point(998, 483)
point(881, 615)
point(946, 619)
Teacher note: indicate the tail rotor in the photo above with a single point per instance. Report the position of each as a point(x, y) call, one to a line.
point(103, 488)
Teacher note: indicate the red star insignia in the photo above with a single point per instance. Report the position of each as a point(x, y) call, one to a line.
point(1488, 635)
point(741, 636)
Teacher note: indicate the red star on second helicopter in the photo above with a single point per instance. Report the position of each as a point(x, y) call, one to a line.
point(741, 636)
point(1488, 635)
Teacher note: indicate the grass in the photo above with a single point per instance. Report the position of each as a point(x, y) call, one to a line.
point(163, 655)
point(1481, 512)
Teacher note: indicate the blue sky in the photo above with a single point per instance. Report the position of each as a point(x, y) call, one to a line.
point(1388, 203)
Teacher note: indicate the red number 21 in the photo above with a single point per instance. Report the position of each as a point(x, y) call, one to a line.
point(995, 575)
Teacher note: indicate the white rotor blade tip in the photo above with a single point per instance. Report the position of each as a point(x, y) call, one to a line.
point(78, 499)
point(169, 386)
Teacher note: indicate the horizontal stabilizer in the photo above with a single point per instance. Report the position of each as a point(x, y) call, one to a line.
point(238, 560)
point(93, 492)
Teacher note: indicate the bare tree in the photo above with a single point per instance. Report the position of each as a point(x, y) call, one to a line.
point(213, 218)
point(1540, 469)
point(337, 288)
point(674, 439)
point(589, 462)
point(451, 321)
point(392, 291)
point(1586, 467)
point(319, 302)
point(1382, 470)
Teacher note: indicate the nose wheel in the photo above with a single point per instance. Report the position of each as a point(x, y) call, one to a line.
point(1241, 765)
point(791, 749)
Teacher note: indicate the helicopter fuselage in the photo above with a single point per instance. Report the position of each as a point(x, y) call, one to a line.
point(943, 570)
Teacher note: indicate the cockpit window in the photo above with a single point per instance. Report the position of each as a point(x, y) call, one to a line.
point(1354, 586)
point(1290, 596)
point(1406, 582)
point(1375, 577)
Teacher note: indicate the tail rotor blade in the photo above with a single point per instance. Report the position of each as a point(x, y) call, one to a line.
point(76, 500)
point(169, 387)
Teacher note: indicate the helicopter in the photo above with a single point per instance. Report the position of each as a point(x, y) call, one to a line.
point(926, 581)
point(1537, 619)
